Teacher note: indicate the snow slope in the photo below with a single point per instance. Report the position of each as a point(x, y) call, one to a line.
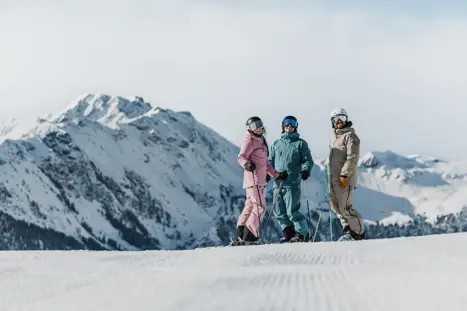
point(406, 274)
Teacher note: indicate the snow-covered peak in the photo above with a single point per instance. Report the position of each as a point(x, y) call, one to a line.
point(105, 109)
point(6, 127)
point(17, 129)
point(108, 111)
point(119, 173)
point(391, 160)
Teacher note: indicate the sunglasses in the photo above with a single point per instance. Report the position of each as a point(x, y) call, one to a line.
point(254, 125)
point(339, 117)
point(291, 122)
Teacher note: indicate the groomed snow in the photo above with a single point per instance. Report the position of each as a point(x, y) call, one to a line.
point(422, 273)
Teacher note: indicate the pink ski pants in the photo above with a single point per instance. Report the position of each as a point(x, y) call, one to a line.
point(254, 210)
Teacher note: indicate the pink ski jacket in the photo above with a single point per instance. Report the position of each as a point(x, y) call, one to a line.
point(254, 150)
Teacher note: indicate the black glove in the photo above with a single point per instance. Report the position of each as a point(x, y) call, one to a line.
point(305, 175)
point(250, 167)
point(283, 175)
point(268, 178)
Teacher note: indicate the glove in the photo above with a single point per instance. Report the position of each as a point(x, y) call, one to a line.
point(305, 175)
point(268, 178)
point(283, 175)
point(343, 182)
point(250, 167)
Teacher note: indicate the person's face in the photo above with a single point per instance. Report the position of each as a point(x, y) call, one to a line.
point(258, 130)
point(339, 121)
point(256, 127)
point(289, 125)
point(289, 128)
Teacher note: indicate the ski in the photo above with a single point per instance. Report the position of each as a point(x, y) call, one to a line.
point(345, 238)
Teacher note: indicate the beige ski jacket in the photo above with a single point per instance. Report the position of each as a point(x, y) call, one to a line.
point(344, 155)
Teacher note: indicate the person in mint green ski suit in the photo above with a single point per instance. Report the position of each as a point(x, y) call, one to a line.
point(291, 153)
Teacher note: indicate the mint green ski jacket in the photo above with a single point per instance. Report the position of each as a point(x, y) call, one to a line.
point(291, 153)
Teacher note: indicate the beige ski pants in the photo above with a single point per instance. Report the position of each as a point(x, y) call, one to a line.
point(341, 204)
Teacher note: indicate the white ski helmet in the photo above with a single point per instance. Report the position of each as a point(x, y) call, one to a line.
point(339, 112)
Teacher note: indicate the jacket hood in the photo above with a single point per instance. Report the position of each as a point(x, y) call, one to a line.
point(348, 128)
point(291, 136)
point(343, 130)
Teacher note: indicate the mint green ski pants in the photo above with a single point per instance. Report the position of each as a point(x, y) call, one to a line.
point(287, 210)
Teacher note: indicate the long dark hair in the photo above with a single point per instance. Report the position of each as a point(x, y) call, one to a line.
point(263, 136)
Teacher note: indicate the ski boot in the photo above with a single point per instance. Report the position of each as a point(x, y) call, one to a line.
point(239, 241)
point(346, 236)
point(250, 239)
point(346, 230)
point(245, 237)
point(356, 236)
point(300, 238)
point(289, 233)
point(349, 235)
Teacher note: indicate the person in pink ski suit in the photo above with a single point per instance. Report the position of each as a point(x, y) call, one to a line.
point(253, 157)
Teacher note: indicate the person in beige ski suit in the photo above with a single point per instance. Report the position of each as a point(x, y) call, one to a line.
point(343, 173)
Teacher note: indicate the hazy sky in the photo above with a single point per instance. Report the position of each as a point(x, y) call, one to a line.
point(399, 69)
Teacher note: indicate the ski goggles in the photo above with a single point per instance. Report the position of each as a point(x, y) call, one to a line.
point(254, 125)
point(341, 117)
point(291, 122)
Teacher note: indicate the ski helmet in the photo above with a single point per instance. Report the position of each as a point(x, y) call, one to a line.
point(340, 113)
point(253, 123)
point(289, 120)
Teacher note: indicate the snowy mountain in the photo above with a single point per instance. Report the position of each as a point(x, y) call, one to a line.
point(113, 173)
point(116, 173)
point(406, 274)
point(433, 187)
point(404, 195)
point(394, 188)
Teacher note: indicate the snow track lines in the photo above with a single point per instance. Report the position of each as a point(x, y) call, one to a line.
point(405, 274)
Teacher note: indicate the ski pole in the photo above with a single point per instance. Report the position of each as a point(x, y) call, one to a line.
point(328, 177)
point(317, 225)
point(273, 204)
point(307, 202)
point(320, 209)
point(257, 209)
point(317, 207)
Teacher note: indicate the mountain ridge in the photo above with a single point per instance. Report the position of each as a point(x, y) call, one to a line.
point(132, 180)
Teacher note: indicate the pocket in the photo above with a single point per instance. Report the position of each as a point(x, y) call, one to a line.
point(348, 201)
point(295, 156)
point(286, 157)
point(279, 159)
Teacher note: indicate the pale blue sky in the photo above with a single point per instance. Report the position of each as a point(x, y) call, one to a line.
point(398, 67)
